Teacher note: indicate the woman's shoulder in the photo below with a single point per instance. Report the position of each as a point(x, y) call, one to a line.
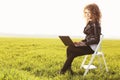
point(97, 24)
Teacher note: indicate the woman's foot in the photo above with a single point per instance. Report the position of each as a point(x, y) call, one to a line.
point(62, 72)
point(71, 71)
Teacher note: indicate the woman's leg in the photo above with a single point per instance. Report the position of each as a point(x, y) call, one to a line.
point(67, 64)
point(73, 52)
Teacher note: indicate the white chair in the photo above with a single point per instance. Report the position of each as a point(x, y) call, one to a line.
point(98, 52)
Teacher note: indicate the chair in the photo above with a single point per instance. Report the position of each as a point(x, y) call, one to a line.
point(98, 52)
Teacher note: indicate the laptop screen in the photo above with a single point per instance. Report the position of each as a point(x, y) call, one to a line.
point(66, 40)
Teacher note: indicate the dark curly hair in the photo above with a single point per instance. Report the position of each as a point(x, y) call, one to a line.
point(95, 11)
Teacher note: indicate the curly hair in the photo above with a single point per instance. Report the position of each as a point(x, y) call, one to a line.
point(95, 11)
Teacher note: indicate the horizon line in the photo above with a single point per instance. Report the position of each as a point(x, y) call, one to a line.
point(45, 36)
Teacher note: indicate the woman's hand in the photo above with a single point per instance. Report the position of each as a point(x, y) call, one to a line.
point(79, 44)
point(82, 44)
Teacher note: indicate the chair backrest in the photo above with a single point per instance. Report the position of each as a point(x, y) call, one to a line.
point(99, 44)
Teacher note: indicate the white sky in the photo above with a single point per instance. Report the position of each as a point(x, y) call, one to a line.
point(55, 17)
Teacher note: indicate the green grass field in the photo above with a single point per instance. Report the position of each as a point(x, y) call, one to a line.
point(42, 58)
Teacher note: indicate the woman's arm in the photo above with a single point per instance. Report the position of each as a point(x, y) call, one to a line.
point(94, 38)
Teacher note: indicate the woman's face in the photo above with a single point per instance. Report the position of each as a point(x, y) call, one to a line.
point(87, 14)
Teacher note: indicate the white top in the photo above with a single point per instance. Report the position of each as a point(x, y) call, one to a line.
point(93, 46)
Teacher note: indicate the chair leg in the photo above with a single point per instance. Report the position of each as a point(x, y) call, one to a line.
point(99, 59)
point(105, 63)
point(83, 62)
point(93, 56)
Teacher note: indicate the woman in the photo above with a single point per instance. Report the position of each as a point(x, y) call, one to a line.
point(92, 32)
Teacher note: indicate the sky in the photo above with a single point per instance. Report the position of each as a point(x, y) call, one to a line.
point(55, 17)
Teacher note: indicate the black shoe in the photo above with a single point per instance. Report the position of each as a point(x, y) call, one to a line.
point(62, 72)
point(71, 71)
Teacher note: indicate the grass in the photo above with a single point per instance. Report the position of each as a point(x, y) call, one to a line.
point(42, 58)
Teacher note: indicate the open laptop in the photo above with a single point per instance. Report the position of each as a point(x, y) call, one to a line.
point(66, 40)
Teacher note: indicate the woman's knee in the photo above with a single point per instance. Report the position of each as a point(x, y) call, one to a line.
point(69, 48)
point(69, 51)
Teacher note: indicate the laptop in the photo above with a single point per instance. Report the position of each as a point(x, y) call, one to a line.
point(66, 40)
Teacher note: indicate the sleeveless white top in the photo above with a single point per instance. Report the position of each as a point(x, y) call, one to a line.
point(93, 46)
